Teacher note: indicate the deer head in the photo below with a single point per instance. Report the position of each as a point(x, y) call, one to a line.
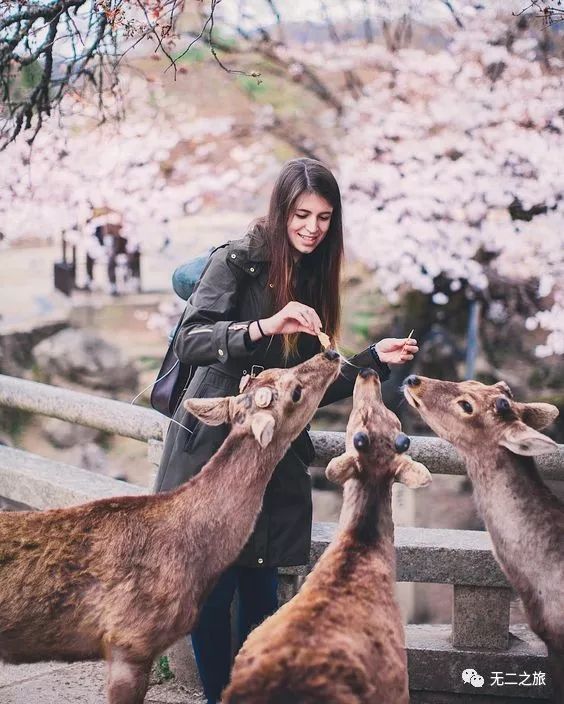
point(473, 416)
point(375, 445)
point(281, 400)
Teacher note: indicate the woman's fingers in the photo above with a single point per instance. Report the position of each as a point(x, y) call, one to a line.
point(297, 317)
point(308, 330)
point(315, 320)
point(293, 325)
point(306, 315)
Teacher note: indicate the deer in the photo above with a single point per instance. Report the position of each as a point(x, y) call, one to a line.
point(498, 438)
point(122, 579)
point(341, 638)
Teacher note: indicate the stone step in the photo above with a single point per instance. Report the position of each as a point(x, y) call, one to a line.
point(436, 667)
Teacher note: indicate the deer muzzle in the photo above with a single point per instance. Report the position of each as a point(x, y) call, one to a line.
point(411, 388)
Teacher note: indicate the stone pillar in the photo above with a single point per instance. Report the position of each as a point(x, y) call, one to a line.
point(183, 666)
point(481, 617)
point(404, 512)
point(288, 586)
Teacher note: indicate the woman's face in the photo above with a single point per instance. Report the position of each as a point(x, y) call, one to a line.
point(309, 222)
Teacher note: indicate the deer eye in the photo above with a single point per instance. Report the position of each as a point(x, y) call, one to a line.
point(502, 405)
point(361, 441)
point(402, 443)
point(466, 407)
point(297, 394)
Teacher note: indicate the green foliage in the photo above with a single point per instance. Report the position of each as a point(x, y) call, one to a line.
point(105, 441)
point(150, 362)
point(362, 324)
point(30, 75)
point(163, 673)
point(196, 55)
point(253, 87)
point(13, 422)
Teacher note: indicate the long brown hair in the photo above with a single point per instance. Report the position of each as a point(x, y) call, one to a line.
point(321, 285)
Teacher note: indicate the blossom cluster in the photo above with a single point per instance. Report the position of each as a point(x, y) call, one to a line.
point(160, 162)
point(451, 169)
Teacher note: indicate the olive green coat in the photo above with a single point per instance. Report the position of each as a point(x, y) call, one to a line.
point(232, 292)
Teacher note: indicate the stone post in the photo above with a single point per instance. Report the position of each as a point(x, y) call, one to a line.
point(481, 617)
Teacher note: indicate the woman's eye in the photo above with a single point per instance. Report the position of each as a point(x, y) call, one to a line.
point(466, 407)
point(301, 217)
point(297, 394)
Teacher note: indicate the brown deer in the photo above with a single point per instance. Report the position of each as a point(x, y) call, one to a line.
point(498, 438)
point(124, 578)
point(341, 639)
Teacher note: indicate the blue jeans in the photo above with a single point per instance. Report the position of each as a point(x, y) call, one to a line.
point(211, 639)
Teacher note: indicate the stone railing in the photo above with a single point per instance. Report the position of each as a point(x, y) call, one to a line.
point(479, 636)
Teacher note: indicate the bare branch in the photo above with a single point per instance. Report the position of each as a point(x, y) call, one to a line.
point(450, 7)
point(540, 9)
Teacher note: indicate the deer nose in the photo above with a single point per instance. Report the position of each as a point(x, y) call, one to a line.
point(401, 443)
point(361, 441)
point(331, 355)
point(365, 373)
point(412, 380)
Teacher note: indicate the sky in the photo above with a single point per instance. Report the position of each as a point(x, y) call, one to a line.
point(259, 12)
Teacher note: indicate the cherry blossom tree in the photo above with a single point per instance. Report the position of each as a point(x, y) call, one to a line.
point(452, 175)
point(155, 165)
point(448, 156)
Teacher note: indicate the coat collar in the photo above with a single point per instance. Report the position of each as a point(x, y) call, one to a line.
point(251, 248)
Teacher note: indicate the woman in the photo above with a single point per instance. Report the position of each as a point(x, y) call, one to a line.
point(261, 302)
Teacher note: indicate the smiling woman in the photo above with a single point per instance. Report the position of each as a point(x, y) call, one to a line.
point(262, 301)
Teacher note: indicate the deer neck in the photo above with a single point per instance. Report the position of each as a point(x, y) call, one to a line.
point(218, 508)
point(505, 476)
point(363, 551)
point(515, 504)
point(366, 515)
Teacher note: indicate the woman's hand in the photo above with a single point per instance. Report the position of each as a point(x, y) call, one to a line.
point(294, 317)
point(394, 350)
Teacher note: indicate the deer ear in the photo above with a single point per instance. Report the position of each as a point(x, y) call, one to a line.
point(539, 415)
point(411, 473)
point(504, 388)
point(244, 382)
point(211, 411)
point(262, 426)
point(342, 468)
point(523, 440)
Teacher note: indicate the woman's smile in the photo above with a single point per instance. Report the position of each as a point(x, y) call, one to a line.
point(308, 239)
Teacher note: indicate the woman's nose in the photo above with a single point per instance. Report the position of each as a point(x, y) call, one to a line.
point(311, 226)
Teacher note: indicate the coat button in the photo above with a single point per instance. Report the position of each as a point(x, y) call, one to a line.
point(252, 270)
point(220, 352)
point(260, 560)
point(233, 256)
point(271, 285)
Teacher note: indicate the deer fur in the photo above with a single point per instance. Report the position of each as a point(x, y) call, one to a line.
point(498, 438)
point(124, 578)
point(341, 639)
